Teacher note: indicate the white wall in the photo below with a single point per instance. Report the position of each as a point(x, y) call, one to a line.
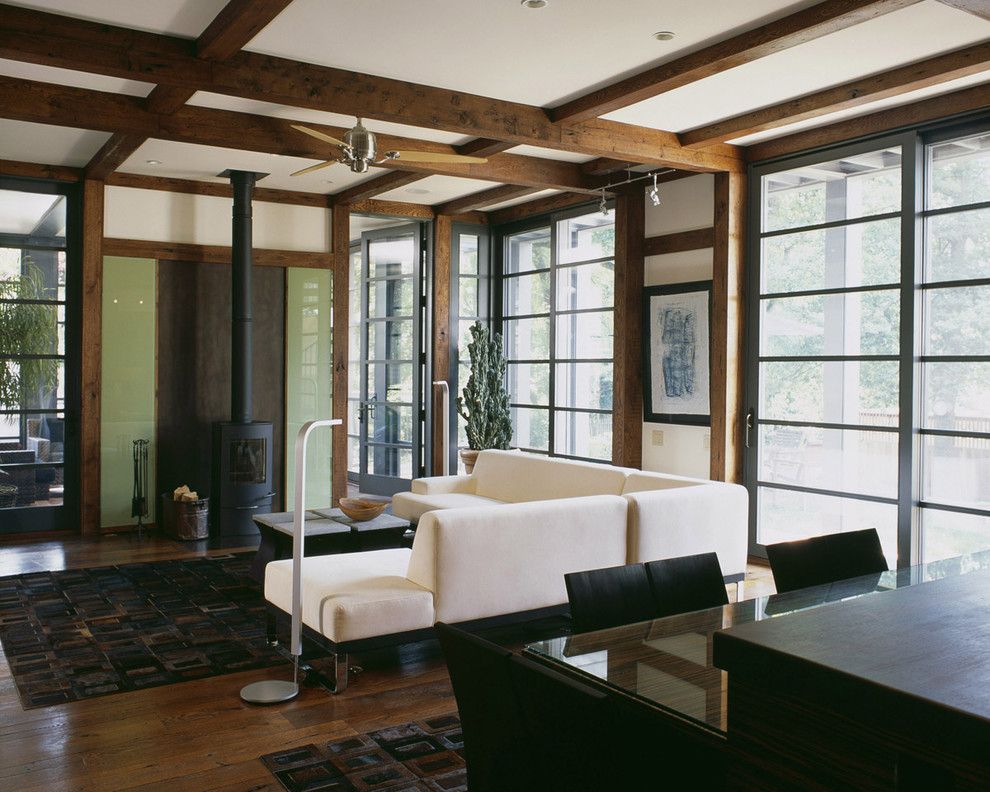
point(132, 213)
point(685, 205)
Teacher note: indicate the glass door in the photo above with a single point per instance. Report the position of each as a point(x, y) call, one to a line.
point(391, 332)
point(39, 357)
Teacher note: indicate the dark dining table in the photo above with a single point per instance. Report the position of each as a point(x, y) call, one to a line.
point(672, 665)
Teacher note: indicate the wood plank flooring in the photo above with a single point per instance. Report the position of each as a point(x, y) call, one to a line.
point(198, 736)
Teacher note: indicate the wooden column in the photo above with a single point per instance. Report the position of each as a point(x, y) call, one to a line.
point(727, 327)
point(627, 382)
point(442, 234)
point(341, 234)
point(91, 361)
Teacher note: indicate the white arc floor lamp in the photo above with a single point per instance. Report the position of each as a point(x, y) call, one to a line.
point(275, 691)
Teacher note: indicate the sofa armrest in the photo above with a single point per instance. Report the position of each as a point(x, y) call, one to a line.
point(684, 521)
point(443, 485)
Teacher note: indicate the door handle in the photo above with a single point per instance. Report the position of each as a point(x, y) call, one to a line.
point(749, 428)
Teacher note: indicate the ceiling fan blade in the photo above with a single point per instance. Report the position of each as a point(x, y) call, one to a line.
point(316, 167)
point(433, 156)
point(318, 135)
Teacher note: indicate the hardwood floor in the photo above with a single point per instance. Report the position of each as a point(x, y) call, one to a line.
point(199, 736)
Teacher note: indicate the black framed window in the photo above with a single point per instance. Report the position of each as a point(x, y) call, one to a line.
point(557, 284)
point(39, 351)
point(866, 384)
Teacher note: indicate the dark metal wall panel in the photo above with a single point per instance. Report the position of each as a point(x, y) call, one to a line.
point(194, 367)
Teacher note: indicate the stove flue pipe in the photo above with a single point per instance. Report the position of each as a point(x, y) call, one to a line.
point(241, 344)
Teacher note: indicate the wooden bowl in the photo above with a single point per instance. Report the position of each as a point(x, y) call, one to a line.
point(361, 510)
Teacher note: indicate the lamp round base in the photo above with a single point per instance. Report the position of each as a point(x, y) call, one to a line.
point(270, 691)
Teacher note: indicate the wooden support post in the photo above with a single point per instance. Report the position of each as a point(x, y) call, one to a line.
point(341, 234)
point(727, 327)
point(627, 380)
point(91, 361)
point(442, 236)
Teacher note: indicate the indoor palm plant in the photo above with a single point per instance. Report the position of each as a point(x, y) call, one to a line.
point(484, 403)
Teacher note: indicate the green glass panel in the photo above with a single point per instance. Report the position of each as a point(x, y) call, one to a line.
point(308, 379)
point(128, 384)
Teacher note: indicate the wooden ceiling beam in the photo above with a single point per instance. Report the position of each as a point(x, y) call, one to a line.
point(979, 8)
point(237, 23)
point(33, 170)
point(377, 186)
point(483, 147)
point(45, 103)
point(540, 206)
point(602, 166)
point(54, 40)
point(922, 74)
point(966, 100)
point(790, 31)
point(480, 200)
point(219, 189)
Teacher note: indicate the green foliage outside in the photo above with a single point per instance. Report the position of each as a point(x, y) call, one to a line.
point(26, 329)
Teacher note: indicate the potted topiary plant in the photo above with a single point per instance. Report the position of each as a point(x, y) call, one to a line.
point(484, 403)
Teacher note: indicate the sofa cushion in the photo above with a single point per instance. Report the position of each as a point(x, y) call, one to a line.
point(411, 506)
point(516, 477)
point(641, 481)
point(354, 595)
point(512, 558)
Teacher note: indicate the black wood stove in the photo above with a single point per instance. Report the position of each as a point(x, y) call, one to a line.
point(242, 447)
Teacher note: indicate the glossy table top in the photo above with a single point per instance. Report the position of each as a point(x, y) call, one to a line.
point(668, 662)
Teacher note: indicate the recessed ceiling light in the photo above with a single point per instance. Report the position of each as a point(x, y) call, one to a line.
point(663, 35)
point(534, 3)
point(154, 162)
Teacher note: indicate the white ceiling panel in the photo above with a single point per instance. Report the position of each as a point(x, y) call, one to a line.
point(524, 199)
point(76, 79)
point(901, 37)
point(203, 163)
point(536, 151)
point(237, 105)
point(178, 17)
point(48, 145)
point(438, 189)
point(883, 104)
point(500, 48)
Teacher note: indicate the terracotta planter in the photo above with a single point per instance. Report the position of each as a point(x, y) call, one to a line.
point(469, 456)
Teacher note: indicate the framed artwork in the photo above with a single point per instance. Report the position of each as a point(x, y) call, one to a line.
point(677, 353)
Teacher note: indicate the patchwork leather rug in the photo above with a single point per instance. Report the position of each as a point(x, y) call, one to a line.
point(424, 756)
point(82, 633)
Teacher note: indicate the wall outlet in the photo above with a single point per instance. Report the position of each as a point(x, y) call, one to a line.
point(657, 437)
point(707, 441)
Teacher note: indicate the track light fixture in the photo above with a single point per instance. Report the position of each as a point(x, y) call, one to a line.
point(654, 193)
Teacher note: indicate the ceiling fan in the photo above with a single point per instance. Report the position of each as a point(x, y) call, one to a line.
point(358, 150)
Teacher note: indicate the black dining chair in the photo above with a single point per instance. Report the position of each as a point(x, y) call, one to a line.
point(491, 721)
point(825, 559)
point(687, 583)
point(601, 598)
point(570, 726)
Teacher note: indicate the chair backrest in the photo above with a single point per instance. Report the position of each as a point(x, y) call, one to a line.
point(570, 728)
point(601, 598)
point(685, 584)
point(825, 559)
point(491, 720)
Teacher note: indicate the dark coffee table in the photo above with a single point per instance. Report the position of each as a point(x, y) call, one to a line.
point(327, 531)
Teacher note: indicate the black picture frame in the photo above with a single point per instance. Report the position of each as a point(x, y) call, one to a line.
point(652, 369)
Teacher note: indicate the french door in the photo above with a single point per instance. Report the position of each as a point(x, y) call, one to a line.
point(39, 356)
point(390, 410)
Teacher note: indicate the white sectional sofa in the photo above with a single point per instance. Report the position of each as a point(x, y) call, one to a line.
point(497, 544)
